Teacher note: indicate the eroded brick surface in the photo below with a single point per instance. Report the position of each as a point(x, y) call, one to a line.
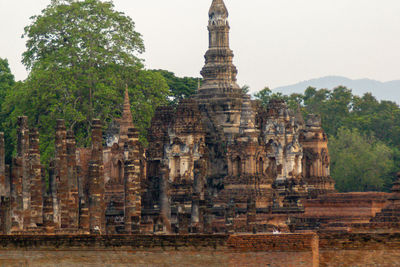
point(218, 162)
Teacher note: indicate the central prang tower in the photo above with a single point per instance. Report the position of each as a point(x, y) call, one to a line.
point(219, 73)
point(220, 162)
point(220, 94)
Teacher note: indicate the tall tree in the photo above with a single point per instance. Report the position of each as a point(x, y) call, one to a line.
point(7, 83)
point(360, 163)
point(265, 95)
point(180, 87)
point(6, 79)
point(81, 56)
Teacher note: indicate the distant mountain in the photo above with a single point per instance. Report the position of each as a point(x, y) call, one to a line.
point(381, 90)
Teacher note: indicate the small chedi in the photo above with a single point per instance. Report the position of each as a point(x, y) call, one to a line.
point(217, 163)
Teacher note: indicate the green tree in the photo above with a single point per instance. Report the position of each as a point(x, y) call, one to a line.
point(380, 118)
point(338, 109)
point(266, 94)
point(315, 100)
point(180, 87)
point(245, 89)
point(82, 55)
point(7, 83)
point(293, 101)
point(6, 79)
point(360, 163)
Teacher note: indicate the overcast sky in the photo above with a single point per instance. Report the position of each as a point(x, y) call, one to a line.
point(276, 42)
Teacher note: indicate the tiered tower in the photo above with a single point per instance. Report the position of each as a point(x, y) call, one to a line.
point(220, 95)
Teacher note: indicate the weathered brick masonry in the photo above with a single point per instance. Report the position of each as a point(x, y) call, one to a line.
point(324, 249)
point(218, 162)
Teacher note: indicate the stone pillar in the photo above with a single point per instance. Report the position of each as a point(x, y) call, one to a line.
point(5, 215)
point(132, 184)
point(5, 204)
point(84, 222)
point(196, 195)
point(48, 207)
point(229, 217)
point(8, 180)
point(61, 172)
point(23, 155)
point(36, 193)
point(48, 214)
point(208, 216)
point(7, 199)
point(4, 188)
point(198, 187)
point(20, 184)
point(165, 206)
point(83, 200)
point(16, 195)
point(53, 195)
point(195, 214)
point(96, 182)
point(251, 214)
point(183, 220)
point(73, 195)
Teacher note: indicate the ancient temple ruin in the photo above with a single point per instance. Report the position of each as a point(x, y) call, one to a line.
point(219, 162)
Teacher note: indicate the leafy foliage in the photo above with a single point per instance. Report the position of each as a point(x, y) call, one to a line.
point(7, 83)
point(180, 87)
point(266, 95)
point(360, 163)
point(81, 56)
point(87, 33)
point(6, 79)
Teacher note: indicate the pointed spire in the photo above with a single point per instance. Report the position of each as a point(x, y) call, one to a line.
point(127, 106)
point(218, 9)
point(219, 73)
point(126, 120)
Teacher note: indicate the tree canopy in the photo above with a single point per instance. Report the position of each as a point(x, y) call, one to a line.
point(6, 79)
point(87, 33)
point(180, 87)
point(360, 163)
point(81, 56)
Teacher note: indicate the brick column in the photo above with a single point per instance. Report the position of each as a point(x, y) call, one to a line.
point(83, 190)
point(132, 184)
point(36, 193)
point(5, 203)
point(165, 197)
point(53, 195)
point(4, 188)
point(73, 197)
point(48, 207)
point(5, 216)
point(197, 214)
point(20, 186)
point(96, 182)
point(16, 195)
point(229, 217)
point(23, 155)
point(251, 214)
point(61, 172)
point(208, 216)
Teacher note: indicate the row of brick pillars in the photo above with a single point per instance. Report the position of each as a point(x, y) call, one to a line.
point(63, 207)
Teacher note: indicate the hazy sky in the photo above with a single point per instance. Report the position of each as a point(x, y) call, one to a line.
point(276, 42)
